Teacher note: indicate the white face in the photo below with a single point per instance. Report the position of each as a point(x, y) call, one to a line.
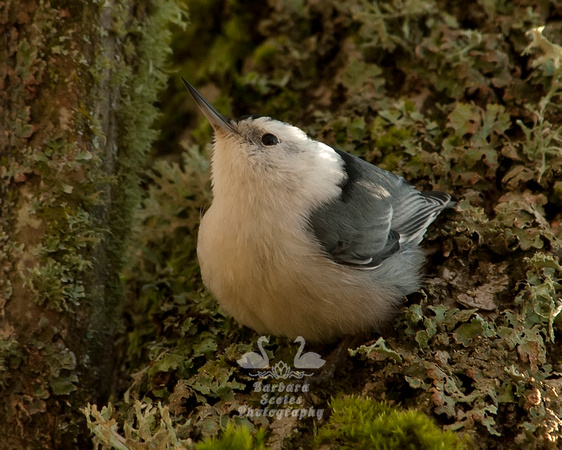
point(270, 143)
point(269, 154)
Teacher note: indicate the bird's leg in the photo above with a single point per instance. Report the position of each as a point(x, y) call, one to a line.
point(336, 358)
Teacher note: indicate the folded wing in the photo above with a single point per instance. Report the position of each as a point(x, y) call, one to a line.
point(377, 215)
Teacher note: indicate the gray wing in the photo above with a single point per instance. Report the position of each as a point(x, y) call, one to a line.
point(376, 215)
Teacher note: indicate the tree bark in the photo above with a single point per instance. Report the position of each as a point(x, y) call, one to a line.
point(74, 129)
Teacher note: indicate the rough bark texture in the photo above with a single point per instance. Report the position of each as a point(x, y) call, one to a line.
point(74, 129)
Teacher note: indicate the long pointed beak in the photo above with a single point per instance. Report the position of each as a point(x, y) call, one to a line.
point(217, 120)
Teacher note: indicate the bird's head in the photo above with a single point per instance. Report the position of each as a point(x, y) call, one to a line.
point(264, 153)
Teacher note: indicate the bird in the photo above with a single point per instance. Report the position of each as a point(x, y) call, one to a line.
point(309, 360)
point(302, 239)
point(253, 360)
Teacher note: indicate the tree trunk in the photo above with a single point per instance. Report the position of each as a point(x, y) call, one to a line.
point(74, 130)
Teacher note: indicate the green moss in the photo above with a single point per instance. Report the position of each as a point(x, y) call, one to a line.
point(235, 438)
point(141, 77)
point(363, 423)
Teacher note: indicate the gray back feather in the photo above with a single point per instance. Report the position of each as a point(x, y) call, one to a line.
point(377, 215)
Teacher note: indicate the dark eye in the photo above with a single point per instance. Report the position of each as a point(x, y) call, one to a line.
point(269, 139)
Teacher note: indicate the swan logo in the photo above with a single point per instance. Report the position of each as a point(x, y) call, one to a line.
point(281, 370)
point(281, 398)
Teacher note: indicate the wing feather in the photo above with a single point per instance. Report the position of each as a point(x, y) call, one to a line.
point(376, 215)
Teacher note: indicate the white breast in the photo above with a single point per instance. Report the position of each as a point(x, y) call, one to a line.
point(276, 280)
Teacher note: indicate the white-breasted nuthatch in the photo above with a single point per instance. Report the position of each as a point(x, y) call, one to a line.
point(305, 240)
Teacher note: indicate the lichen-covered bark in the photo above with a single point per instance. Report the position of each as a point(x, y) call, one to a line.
point(77, 83)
